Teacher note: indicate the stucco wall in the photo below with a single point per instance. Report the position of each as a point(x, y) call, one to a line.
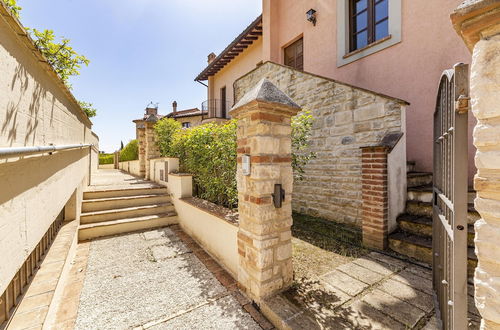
point(240, 65)
point(409, 70)
point(217, 236)
point(131, 167)
point(36, 110)
point(194, 120)
point(346, 118)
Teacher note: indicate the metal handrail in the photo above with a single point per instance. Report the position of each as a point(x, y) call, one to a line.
point(18, 151)
point(215, 108)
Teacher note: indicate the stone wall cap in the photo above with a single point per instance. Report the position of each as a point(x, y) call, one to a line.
point(266, 91)
point(389, 141)
point(472, 17)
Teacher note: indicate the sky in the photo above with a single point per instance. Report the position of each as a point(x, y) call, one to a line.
point(140, 51)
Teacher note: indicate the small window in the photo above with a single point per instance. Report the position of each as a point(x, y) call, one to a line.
point(368, 22)
point(294, 55)
point(186, 125)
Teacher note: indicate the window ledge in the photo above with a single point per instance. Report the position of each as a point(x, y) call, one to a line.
point(357, 51)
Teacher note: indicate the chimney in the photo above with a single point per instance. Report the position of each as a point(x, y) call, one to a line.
point(174, 106)
point(211, 57)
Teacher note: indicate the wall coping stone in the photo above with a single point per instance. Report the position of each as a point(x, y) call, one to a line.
point(389, 141)
point(218, 211)
point(400, 101)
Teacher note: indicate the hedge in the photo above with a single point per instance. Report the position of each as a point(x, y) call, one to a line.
point(130, 151)
point(106, 159)
point(209, 153)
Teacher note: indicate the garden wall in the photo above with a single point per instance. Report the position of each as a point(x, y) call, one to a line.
point(131, 167)
point(346, 118)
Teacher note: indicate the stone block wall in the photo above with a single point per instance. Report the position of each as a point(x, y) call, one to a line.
point(346, 118)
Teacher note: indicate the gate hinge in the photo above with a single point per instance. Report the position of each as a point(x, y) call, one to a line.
point(462, 105)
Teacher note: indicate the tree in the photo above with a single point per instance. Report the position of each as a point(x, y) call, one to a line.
point(121, 145)
point(14, 8)
point(301, 142)
point(65, 61)
point(130, 151)
point(88, 109)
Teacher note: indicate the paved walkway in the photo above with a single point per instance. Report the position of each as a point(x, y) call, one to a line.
point(374, 291)
point(153, 280)
point(116, 179)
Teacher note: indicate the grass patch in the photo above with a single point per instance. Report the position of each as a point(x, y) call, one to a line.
point(328, 235)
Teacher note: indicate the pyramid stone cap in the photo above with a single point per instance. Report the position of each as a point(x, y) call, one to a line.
point(266, 91)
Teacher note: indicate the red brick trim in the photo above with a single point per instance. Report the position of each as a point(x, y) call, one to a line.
point(375, 196)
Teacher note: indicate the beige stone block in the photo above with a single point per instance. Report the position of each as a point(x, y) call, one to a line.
point(262, 258)
point(284, 251)
point(265, 244)
point(487, 159)
point(263, 144)
point(369, 112)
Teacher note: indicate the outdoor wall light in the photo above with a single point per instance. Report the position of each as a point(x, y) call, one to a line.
point(311, 16)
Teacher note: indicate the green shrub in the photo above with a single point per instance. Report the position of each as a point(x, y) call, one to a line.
point(165, 130)
point(209, 153)
point(106, 159)
point(130, 151)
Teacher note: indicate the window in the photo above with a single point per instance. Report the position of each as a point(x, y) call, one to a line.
point(186, 125)
point(294, 55)
point(223, 102)
point(368, 22)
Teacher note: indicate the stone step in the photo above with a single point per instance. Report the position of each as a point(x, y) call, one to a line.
point(422, 226)
point(410, 166)
point(420, 248)
point(126, 212)
point(424, 194)
point(416, 179)
point(109, 193)
point(101, 204)
point(424, 209)
point(120, 226)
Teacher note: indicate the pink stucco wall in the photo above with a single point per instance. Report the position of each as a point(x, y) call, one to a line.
point(409, 70)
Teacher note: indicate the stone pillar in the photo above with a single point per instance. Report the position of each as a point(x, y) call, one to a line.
point(116, 160)
point(375, 196)
point(152, 150)
point(478, 23)
point(264, 236)
point(141, 138)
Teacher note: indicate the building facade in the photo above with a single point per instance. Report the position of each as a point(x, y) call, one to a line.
point(398, 48)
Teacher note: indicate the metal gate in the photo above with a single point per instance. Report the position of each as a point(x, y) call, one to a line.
point(449, 220)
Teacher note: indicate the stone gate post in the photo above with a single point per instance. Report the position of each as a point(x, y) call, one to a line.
point(264, 236)
point(151, 150)
point(478, 23)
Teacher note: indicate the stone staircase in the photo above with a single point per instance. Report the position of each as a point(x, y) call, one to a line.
point(413, 238)
point(108, 212)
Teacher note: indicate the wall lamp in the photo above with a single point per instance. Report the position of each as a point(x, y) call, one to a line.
point(311, 16)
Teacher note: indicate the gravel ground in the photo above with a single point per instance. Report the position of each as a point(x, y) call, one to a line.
point(152, 279)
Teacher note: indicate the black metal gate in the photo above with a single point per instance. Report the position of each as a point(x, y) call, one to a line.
point(449, 223)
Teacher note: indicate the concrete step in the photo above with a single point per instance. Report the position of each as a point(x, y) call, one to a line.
point(120, 226)
point(422, 226)
point(101, 204)
point(416, 179)
point(424, 209)
point(126, 212)
point(424, 194)
point(410, 166)
point(109, 193)
point(420, 248)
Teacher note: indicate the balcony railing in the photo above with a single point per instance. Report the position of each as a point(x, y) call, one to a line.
point(215, 108)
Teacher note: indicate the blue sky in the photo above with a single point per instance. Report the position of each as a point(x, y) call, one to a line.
point(140, 51)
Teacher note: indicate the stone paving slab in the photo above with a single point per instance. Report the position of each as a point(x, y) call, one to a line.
point(143, 278)
point(224, 313)
point(116, 179)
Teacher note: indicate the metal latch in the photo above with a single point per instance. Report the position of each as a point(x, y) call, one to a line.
point(462, 105)
point(278, 196)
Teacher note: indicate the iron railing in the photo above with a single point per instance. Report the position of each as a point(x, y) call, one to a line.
point(215, 108)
